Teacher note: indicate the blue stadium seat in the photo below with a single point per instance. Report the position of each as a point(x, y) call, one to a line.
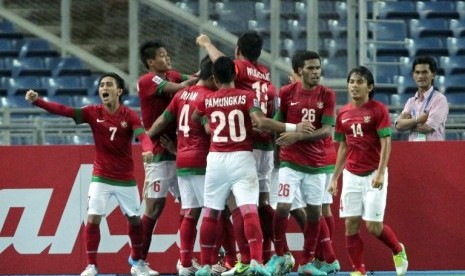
point(336, 47)
point(36, 47)
point(405, 84)
point(131, 100)
point(427, 46)
point(64, 85)
point(441, 9)
point(458, 27)
point(189, 6)
point(262, 11)
point(29, 66)
point(398, 10)
point(455, 84)
point(405, 67)
point(80, 140)
point(239, 11)
point(79, 101)
point(262, 27)
point(91, 83)
point(388, 31)
point(7, 30)
point(70, 66)
point(456, 98)
point(386, 49)
point(54, 140)
point(452, 136)
point(341, 9)
point(5, 70)
point(14, 102)
point(436, 27)
point(7, 48)
point(337, 27)
point(382, 97)
point(385, 73)
point(334, 67)
point(456, 46)
point(452, 65)
point(19, 85)
point(327, 10)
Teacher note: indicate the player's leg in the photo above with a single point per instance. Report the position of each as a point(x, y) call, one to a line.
point(375, 205)
point(264, 164)
point(98, 194)
point(351, 208)
point(191, 192)
point(312, 189)
point(324, 251)
point(245, 188)
point(158, 179)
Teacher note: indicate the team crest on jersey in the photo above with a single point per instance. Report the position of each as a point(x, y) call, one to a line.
point(157, 79)
point(366, 119)
point(319, 105)
point(124, 124)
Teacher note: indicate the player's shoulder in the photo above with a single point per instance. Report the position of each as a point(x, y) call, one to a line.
point(327, 89)
point(344, 108)
point(287, 89)
point(173, 75)
point(146, 77)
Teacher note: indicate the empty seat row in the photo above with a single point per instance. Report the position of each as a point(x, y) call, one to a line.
point(27, 47)
point(421, 9)
point(38, 66)
point(63, 85)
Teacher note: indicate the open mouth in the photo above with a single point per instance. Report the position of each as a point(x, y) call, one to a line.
point(105, 95)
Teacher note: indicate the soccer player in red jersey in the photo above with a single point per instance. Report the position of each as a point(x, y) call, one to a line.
point(113, 126)
point(255, 77)
point(363, 130)
point(191, 158)
point(230, 162)
point(156, 89)
point(303, 159)
point(325, 258)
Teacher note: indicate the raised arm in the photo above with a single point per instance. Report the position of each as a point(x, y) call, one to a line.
point(160, 123)
point(52, 107)
point(205, 42)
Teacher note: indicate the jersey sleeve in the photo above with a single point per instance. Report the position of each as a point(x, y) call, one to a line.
point(328, 111)
point(339, 135)
point(171, 110)
point(383, 121)
point(201, 107)
point(253, 104)
point(280, 114)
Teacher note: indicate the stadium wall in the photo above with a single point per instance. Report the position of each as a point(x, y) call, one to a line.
point(43, 194)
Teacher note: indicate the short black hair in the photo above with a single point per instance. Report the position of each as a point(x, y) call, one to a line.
point(366, 74)
point(250, 45)
point(149, 50)
point(120, 84)
point(299, 58)
point(426, 60)
point(206, 66)
point(224, 70)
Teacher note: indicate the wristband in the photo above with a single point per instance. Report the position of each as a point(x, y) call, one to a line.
point(291, 127)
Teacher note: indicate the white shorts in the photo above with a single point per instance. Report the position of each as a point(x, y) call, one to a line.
point(264, 160)
point(311, 186)
point(191, 188)
point(359, 198)
point(159, 179)
point(298, 201)
point(100, 193)
point(327, 197)
point(228, 171)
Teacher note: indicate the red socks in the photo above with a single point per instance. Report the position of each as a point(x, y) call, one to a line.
point(388, 237)
point(354, 246)
point(147, 229)
point(135, 235)
point(92, 236)
point(187, 232)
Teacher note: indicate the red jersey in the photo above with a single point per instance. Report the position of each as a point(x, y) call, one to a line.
point(113, 136)
point(299, 105)
point(361, 128)
point(193, 141)
point(330, 152)
point(228, 116)
point(256, 77)
point(152, 104)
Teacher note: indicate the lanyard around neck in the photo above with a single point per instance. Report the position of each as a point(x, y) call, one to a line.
point(425, 105)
